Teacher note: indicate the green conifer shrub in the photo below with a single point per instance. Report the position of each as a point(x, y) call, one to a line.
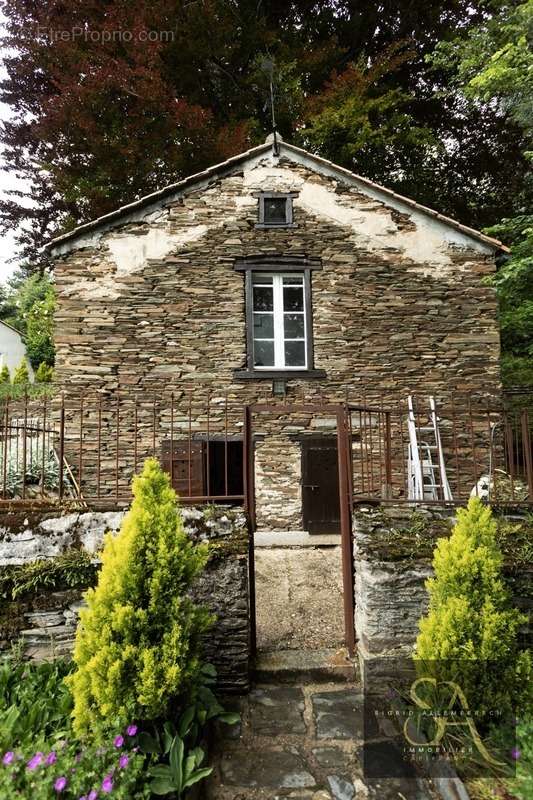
point(22, 375)
point(5, 377)
point(45, 373)
point(138, 643)
point(470, 632)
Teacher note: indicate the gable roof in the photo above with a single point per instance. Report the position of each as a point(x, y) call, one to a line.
point(11, 328)
point(66, 242)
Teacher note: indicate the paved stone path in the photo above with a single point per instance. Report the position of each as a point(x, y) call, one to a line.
point(300, 742)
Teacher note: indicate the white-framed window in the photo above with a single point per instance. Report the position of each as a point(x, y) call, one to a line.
point(279, 321)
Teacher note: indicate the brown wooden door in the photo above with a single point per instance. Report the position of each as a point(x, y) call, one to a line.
point(320, 485)
point(188, 479)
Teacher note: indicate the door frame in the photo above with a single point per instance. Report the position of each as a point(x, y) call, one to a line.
point(342, 416)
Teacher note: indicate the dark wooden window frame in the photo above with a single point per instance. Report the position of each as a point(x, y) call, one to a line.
point(277, 263)
point(289, 213)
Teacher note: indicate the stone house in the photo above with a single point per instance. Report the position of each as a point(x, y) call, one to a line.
point(275, 273)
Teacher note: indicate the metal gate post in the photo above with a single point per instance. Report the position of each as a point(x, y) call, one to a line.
point(344, 456)
point(249, 507)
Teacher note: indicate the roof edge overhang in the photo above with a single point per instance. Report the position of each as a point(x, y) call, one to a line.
point(66, 242)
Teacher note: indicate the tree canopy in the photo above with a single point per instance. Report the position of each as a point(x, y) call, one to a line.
point(113, 99)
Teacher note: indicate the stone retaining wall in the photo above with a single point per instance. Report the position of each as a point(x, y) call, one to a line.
point(44, 622)
point(393, 550)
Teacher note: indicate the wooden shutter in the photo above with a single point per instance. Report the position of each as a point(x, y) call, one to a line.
point(188, 482)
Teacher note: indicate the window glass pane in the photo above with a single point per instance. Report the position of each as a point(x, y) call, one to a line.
point(264, 354)
point(263, 326)
point(293, 298)
point(294, 326)
point(262, 278)
point(263, 298)
point(293, 280)
point(275, 210)
point(295, 354)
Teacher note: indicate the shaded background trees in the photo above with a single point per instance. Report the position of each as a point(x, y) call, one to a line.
point(396, 91)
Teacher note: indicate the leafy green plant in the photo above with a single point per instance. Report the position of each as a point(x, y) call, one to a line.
point(179, 743)
point(70, 770)
point(34, 700)
point(34, 464)
point(45, 373)
point(470, 632)
point(22, 375)
point(73, 569)
point(5, 376)
point(138, 643)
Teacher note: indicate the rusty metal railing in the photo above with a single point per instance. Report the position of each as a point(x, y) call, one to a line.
point(89, 447)
point(486, 446)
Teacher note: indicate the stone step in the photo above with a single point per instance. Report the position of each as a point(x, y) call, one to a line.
point(265, 538)
point(305, 666)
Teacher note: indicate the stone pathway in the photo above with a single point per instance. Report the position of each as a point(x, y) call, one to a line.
point(300, 742)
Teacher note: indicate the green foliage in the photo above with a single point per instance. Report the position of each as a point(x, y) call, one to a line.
point(138, 643)
point(105, 768)
point(28, 305)
point(44, 374)
point(22, 375)
point(470, 631)
point(360, 117)
point(514, 286)
point(33, 701)
point(40, 329)
point(73, 569)
point(522, 786)
point(34, 465)
point(180, 773)
point(495, 60)
point(177, 744)
point(5, 376)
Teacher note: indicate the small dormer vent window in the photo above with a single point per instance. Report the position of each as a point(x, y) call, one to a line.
point(275, 209)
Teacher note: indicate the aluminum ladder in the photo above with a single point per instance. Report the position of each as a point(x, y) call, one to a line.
point(426, 475)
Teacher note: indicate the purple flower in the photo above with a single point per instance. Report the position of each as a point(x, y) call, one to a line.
point(8, 757)
point(118, 741)
point(35, 761)
point(123, 761)
point(51, 758)
point(516, 753)
point(60, 784)
point(93, 794)
point(131, 730)
point(107, 784)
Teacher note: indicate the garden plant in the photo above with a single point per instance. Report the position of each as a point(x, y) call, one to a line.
point(127, 718)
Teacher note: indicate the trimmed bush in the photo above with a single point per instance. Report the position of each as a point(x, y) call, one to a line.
point(5, 376)
point(138, 643)
point(470, 632)
point(45, 373)
point(22, 375)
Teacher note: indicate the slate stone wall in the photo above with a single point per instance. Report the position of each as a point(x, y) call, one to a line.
point(155, 306)
point(44, 623)
point(393, 551)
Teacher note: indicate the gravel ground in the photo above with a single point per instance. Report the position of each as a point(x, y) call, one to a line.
point(299, 598)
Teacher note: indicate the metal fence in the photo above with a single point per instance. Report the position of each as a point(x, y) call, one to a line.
point(88, 448)
point(483, 447)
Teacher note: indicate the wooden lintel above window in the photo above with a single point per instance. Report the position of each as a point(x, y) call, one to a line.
point(272, 262)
